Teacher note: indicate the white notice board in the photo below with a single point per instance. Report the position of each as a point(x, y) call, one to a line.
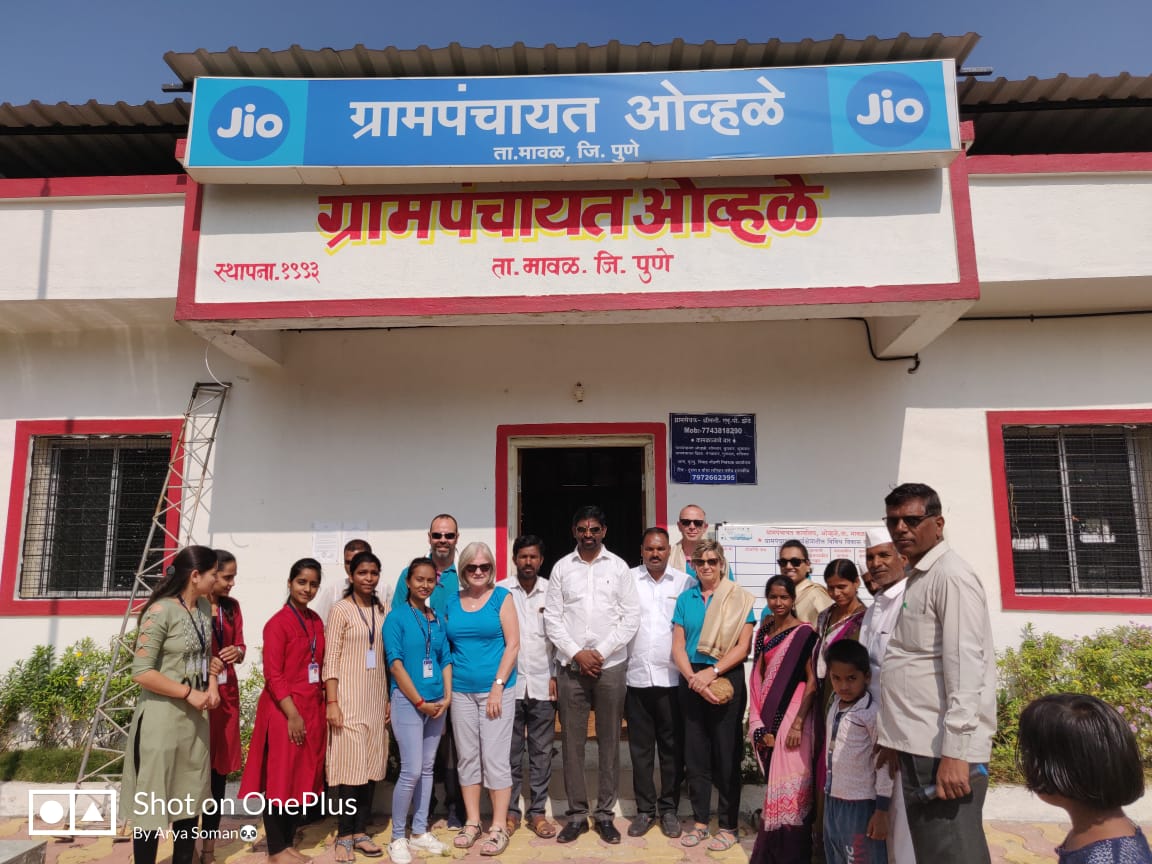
point(752, 550)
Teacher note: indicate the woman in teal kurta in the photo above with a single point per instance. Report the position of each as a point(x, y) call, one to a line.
point(166, 764)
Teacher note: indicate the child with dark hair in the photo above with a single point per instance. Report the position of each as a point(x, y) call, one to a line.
point(1078, 753)
point(857, 794)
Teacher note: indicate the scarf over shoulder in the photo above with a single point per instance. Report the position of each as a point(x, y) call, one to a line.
point(724, 619)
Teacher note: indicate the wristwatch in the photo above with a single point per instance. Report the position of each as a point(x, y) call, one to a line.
point(500, 681)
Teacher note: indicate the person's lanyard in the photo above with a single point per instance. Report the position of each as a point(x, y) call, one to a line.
point(426, 632)
point(218, 625)
point(307, 632)
point(201, 634)
point(371, 627)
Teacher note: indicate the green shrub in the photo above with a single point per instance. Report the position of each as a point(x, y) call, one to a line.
point(1114, 665)
point(47, 765)
point(49, 701)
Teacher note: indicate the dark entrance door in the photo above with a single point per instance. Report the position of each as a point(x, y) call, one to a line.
point(556, 481)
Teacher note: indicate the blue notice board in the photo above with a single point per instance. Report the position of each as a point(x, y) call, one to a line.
point(712, 449)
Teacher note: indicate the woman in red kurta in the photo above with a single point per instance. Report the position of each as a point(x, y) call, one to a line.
point(224, 720)
point(286, 757)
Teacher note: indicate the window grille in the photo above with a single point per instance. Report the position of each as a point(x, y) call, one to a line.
point(1078, 500)
point(90, 504)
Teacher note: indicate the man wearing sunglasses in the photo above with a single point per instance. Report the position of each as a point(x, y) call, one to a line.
point(591, 613)
point(443, 535)
point(693, 525)
point(938, 685)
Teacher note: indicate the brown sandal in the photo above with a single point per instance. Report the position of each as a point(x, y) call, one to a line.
point(722, 840)
point(467, 836)
point(542, 828)
point(495, 843)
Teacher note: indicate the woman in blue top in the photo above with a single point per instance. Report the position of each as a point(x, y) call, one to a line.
point(485, 636)
point(421, 664)
point(715, 727)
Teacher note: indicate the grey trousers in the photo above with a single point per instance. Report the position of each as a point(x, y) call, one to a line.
point(534, 730)
point(580, 694)
point(944, 832)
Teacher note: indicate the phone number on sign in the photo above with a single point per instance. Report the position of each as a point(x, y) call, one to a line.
point(268, 271)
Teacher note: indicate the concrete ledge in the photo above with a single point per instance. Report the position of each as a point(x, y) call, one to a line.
point(22, 851)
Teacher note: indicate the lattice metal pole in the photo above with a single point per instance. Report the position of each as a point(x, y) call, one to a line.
point(186, 489)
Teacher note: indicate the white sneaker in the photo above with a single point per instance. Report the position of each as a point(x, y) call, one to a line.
point(427, 842)
point(398, 851)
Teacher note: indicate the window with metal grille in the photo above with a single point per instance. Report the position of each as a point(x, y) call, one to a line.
point(1078, 507)
point(90, 505)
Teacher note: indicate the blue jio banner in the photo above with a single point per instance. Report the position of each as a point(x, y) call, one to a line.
point(645, 117)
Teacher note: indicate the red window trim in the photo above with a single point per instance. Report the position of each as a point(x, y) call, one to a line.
point(997, 420)
point(10, 602)
point(564, 430)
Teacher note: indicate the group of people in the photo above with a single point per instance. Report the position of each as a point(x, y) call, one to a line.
point(872, 725)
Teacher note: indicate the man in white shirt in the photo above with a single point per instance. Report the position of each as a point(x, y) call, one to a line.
point(886, 570)
point(533, 727)
point(652, 706)
point(591, 612)
point(332, 591)
point(938, 685)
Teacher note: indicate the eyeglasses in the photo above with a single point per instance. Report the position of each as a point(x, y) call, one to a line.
point(594, 530)
point(695, 523)
point(893, 522)
point(442, 535)
point(478, 568)
point(795, 562)
point(705, 562)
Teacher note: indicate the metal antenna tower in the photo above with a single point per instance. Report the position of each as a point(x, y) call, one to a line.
point(186, 486)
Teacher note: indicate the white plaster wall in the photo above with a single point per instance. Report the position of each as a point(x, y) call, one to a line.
point(1030, 227)
point(90, 248)
point(393, 426)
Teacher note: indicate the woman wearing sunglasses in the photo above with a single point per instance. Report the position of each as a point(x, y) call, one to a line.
point(484, 634)
point(711, 634)
point(811, 599)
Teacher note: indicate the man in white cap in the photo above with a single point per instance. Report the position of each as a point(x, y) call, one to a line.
point(886, 568)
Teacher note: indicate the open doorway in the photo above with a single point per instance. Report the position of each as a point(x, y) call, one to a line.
point(556, 481)
point(548, 472)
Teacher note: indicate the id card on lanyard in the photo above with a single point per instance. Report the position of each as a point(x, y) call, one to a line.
point(202, 638)
point(370, 654)
point(429, 671)
point(313, 666)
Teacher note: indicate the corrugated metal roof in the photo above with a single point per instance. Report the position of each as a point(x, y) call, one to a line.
point(521, 59)
point(1059, 115)
point(63, 140)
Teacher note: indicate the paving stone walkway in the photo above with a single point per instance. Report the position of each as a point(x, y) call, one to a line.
point(1010, 842)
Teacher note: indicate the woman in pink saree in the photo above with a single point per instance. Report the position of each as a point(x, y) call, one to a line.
point(782, 693)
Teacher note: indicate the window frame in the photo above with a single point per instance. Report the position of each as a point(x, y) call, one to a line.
point(11, 604)
point(1010, 598)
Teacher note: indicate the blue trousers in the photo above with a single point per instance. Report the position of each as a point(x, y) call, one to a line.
point(417, 736)
point(845, 833)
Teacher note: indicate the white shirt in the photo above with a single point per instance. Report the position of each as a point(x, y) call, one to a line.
point(876, 629)
point(535, 664)
point(591, 605)
point(851, 759)
point(650, 652)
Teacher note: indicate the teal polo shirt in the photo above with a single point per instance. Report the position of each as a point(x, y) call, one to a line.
point(689, 614)
point(447, 584)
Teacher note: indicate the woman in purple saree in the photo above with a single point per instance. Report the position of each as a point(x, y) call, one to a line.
point(781, 726)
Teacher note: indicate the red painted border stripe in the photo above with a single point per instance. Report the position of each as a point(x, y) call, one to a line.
point(1057, 163)
point(94, 187)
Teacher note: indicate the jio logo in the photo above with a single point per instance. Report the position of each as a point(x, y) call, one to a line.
point(888, 109)
point(249, 123)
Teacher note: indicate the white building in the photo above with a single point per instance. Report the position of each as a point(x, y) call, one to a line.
point(418, 375)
